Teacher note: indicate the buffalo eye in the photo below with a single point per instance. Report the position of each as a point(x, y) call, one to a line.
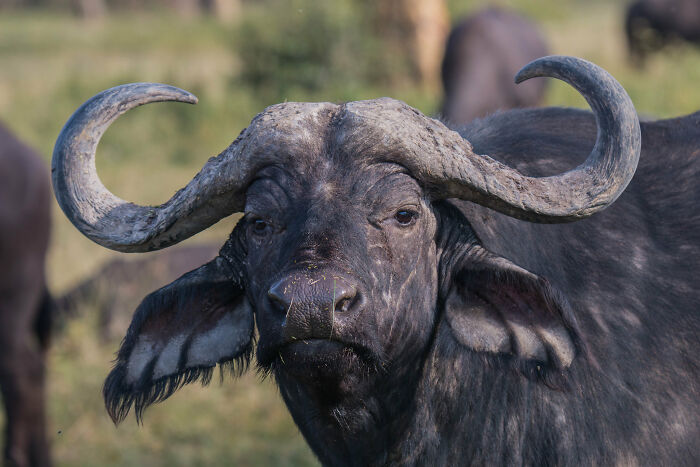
point(405, 217)
point(260, 227)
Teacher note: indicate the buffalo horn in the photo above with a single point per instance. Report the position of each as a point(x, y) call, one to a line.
point(118, 224)
point(569, 196)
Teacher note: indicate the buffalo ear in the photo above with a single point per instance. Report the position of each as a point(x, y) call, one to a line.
point(495, 306)
point(178, 335)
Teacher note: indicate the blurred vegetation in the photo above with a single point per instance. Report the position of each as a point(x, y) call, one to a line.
point(50, 62)
point(276, 60)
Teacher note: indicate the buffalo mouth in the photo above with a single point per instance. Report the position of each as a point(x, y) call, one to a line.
point(316, 358)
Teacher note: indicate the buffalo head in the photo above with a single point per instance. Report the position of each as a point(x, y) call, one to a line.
point(348, 254)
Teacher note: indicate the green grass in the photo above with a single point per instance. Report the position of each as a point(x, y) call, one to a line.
point(234, 423)
point(50, 64)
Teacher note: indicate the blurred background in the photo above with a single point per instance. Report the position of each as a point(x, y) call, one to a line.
point(238, 57)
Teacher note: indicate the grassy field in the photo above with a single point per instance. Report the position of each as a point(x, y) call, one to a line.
point(50, 64)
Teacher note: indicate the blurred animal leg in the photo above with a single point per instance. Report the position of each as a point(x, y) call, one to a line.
point(22, 378)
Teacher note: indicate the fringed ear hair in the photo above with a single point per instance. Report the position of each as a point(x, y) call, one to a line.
point(178, 335)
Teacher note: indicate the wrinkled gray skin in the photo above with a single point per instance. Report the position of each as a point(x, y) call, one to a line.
point(652, 24)
point(404, 328)
point(482, 54)
point(24, 301)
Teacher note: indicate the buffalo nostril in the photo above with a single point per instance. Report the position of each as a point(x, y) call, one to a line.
point(278, 302)
point(348, 301)
point(343, 305)
point(278, 296)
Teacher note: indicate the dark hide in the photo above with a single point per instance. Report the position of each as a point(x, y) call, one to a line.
point(482, 54)
point(404, 330)
point(116, 289)
point(652, 24)
point(25, 305)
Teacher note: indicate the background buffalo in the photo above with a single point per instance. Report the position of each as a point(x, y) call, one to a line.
point(652, 24)
point(25, 303)
point(483, 53)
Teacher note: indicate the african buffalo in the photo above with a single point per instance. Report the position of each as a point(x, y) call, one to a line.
point(482, 54)
point(119, 285)
point(25, 304)
point(651, 24)
point(418, 298)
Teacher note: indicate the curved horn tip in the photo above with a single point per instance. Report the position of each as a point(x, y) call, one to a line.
point(190, 98)
point(541, 66)
point(187, 97)
point(149, 92)
point(177, 94)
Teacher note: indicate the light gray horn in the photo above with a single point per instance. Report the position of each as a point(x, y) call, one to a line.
point(118, 224)
point(569, 196)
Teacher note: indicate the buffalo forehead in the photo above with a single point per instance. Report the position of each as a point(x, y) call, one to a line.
point(382, 129)
point(293, 120)
point(399, 133)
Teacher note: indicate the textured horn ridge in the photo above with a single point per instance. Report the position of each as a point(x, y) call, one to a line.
point(111, 221)
point(575, 194)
